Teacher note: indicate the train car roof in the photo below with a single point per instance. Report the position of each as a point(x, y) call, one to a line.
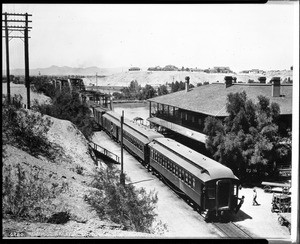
point(114, 117)
point(204, 168)
point(143, 134)
point(142, 130)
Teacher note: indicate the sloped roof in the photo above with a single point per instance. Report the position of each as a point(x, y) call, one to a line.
point(201, 166)
point(211, 99)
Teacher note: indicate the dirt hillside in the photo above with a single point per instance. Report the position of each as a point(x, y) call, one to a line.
point(155, 78)
point(72, 170)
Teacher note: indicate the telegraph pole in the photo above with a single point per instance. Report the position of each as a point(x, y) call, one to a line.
point(7, 60)
point(10, 27)
point(122, 176)
point(27, 82)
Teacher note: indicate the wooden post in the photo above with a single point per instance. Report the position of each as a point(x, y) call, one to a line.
point(7, 60)
point(122, 176)
point(27, 82)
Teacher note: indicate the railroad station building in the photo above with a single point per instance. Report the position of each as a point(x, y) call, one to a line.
point(182, 114)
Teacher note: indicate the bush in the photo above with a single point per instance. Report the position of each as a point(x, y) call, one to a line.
point(68, 106)
point(26, 196)
point(125, 205)
point(27, 130)
point(43, 85)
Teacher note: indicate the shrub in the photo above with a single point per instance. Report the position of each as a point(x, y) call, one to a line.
point(26, 196)
point(68, 106)
point(43, 85)
point(27, 130)
point(125, 205)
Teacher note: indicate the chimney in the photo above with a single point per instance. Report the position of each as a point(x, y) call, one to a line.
point(187, 83)
point(275, 81)
point(262, 79)
point(228, 81)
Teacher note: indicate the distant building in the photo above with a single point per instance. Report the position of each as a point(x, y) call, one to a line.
point(253, 71)
point(157, 68)
point(134, 69)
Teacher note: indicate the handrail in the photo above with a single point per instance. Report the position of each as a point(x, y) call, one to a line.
point(104, 151)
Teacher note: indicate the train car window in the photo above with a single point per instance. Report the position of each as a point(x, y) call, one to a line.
point(186, 177)
point(235, 190)
point(174, 168)
point(179, 172)
point(194, 183)
point(182, 174)
point(211, 193)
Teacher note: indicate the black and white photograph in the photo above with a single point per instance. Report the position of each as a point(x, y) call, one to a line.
point(151, 121)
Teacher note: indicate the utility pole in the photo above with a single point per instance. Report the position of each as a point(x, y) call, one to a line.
point(122, 176)
point(7, 60)
point(10, 27)
point(96, 80)
point(27, 82)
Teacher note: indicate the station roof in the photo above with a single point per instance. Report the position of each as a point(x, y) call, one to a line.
point(179, 129)
point(211, 99)
point(199, 165)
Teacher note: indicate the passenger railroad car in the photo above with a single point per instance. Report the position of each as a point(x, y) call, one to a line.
point(112, 124)
point(209, 184)
point(136, 138)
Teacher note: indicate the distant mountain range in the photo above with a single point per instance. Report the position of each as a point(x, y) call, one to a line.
point(65, 70)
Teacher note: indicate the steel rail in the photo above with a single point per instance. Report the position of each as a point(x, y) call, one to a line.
point(231, 230)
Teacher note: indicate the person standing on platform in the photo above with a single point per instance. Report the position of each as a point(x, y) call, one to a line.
point(240, 204)
point(255, 203)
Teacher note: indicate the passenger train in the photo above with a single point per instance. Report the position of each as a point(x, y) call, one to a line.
point(207, 184)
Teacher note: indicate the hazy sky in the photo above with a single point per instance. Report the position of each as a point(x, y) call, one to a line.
point(239, 36)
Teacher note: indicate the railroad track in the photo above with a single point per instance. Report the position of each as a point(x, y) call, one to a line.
point(232, 231)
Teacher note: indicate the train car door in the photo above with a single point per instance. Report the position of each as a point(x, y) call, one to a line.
point(223, 194)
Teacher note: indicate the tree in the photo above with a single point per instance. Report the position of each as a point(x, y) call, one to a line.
point(147, 92)
point(162, 90)
point(247, 141)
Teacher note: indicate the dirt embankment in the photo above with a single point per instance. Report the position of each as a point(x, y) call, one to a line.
point(73, 168)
